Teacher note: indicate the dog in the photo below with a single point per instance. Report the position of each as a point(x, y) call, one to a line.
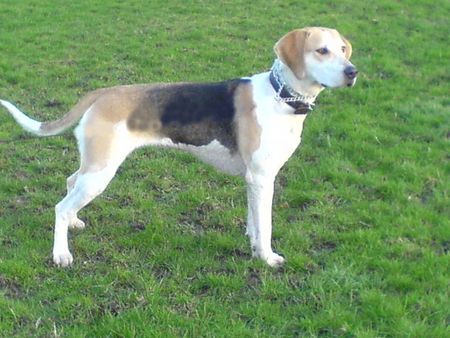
point(248, 126)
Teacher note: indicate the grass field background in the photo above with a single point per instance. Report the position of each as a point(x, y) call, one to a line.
point(361, 210)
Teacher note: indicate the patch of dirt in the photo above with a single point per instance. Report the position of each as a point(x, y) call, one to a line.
point(254, 279)
point(224, 254)
point(138, 226)
point(11, 288)
point(326, 246)
point(428, 190)
point(441, 248)
point(197, 221)
point(53, 103)
point(161, 272)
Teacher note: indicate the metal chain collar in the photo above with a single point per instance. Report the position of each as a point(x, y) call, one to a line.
point(295, 97)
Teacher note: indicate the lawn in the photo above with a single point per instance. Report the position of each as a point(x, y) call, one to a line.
point(361, 210)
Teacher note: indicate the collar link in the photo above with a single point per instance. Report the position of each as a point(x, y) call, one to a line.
point(284, 93)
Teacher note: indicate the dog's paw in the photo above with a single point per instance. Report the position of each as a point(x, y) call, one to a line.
point(77, 224)
point(62, 259)
point(274, 260)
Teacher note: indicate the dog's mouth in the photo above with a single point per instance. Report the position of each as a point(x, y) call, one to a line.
point(346, 83)
point(352, 82)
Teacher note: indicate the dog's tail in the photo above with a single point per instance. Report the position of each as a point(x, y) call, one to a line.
point(57, 126)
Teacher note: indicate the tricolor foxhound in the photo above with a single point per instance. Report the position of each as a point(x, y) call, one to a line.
point(247, 126)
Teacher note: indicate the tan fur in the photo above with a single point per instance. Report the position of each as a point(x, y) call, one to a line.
point(144, 118)
point(99, 137)
point(117, 103)
point(315, 35)
point(112, 104)
point(348, 48)
point(248, 129)
point(99, 124)
point(290, 49)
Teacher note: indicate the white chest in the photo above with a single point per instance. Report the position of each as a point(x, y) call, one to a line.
point(280, 129)
point(280, 136)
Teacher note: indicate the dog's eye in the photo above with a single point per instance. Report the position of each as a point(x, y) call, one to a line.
point(322, 51)
point(343, 49)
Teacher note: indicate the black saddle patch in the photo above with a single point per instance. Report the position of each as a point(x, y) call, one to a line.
point(194, 114)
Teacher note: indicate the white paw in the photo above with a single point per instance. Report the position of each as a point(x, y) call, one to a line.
point(77, 224)
point(62, 259)
point(274, 260)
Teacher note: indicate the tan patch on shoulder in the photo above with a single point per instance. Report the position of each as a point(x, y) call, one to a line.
point(247, 127)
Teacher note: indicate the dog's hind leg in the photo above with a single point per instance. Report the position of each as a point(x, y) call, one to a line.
point(75, 222)
point(88, 186)
point(71, 181)
point(101, 152)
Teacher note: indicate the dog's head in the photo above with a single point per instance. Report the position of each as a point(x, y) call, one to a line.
point(321, 55)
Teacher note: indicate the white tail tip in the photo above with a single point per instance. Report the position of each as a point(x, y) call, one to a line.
point(27, 123)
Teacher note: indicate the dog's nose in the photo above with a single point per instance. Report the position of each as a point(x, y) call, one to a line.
point(351, 72)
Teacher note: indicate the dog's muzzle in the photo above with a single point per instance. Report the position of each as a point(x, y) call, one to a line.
point(350, 73)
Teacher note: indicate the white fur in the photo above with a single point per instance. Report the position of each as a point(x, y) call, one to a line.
point(281, 132)
point(329, 72)
point(214, 154)
point(27, 123)
point(308, 87)
point(86, 188)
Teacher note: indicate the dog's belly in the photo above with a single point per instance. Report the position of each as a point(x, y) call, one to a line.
point(214, 154)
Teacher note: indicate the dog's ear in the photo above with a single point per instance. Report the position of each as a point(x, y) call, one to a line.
point(348, 48)
point(290, 50)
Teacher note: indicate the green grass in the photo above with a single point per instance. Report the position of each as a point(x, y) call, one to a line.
point(361, 210)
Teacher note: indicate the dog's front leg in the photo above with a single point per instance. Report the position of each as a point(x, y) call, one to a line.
point(259, 226)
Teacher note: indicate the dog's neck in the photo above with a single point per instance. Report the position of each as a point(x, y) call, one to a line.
point(305, 88)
